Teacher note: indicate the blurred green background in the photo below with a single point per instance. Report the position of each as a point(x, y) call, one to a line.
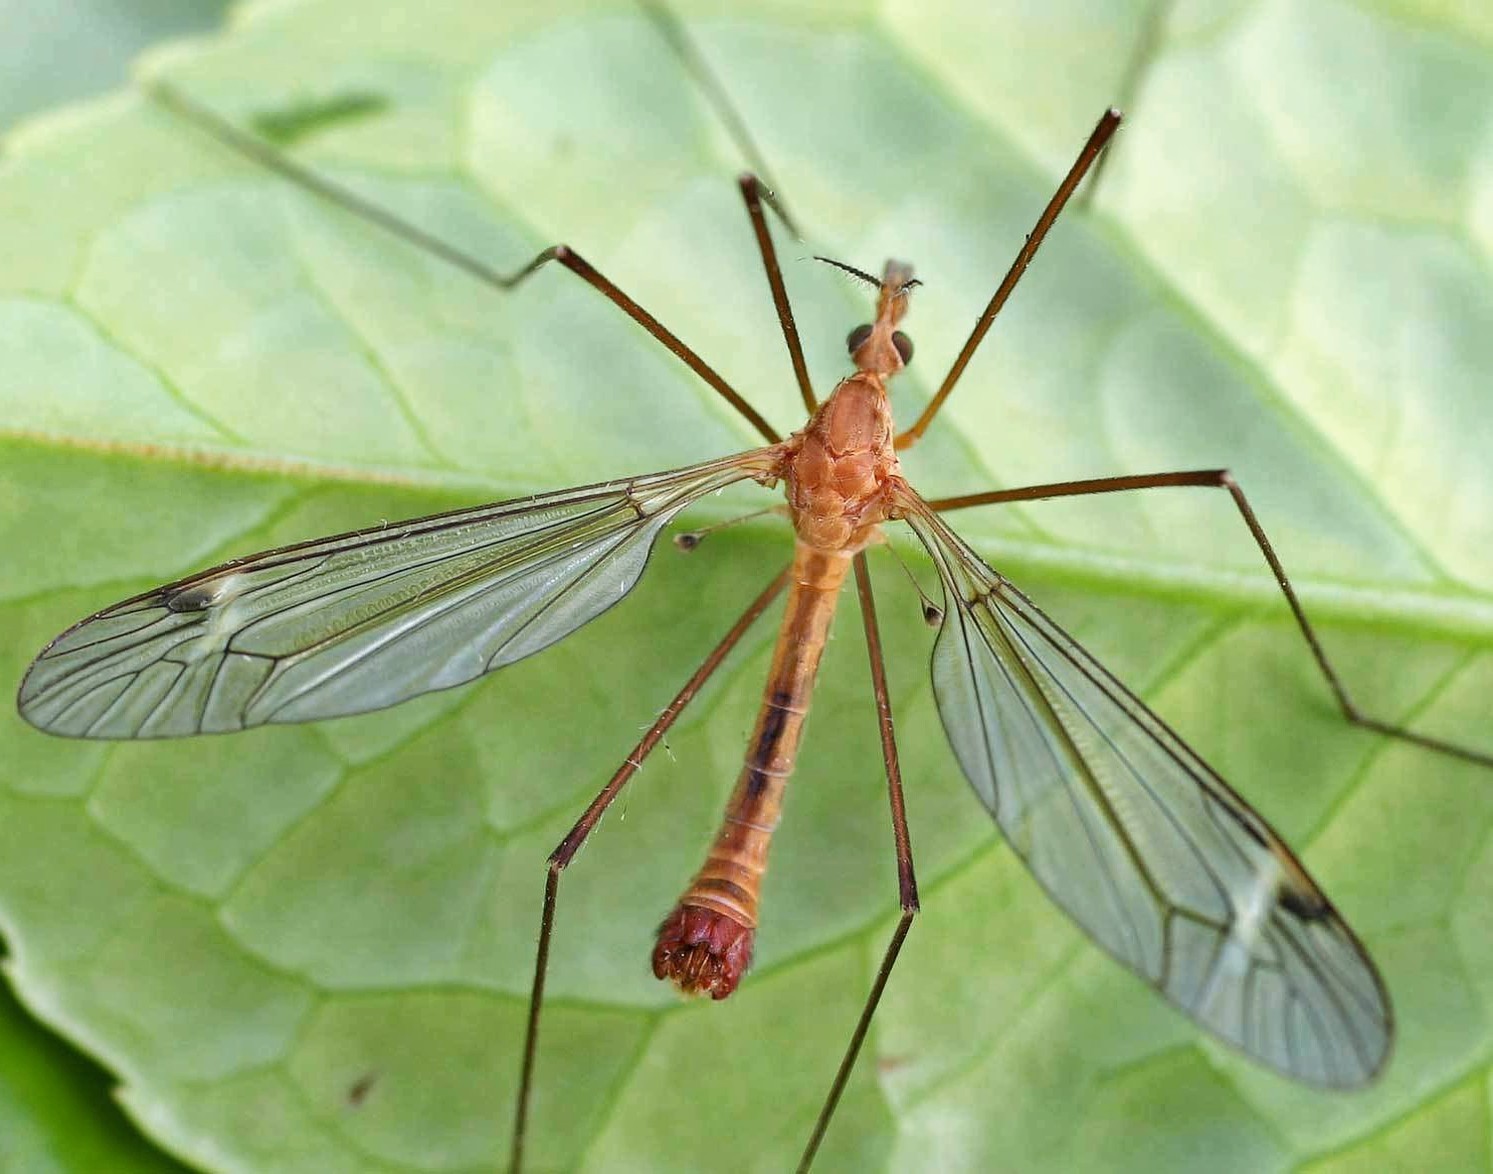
point(66, 49)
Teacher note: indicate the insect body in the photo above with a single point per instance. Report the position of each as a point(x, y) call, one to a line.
point(843, 480)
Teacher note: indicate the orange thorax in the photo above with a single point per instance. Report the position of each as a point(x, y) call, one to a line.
point(840, 466)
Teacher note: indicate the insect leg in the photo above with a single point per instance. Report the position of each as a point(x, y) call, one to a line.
point(907, 884)
point(1147, 43)
point(1223, 479)
point(755, 196)
point(1096, 141)
point(565, 851)
point(672, 29)
point(756, 185)
point(267, 156)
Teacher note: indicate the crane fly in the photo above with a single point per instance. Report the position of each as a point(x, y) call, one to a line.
point(1127, 829)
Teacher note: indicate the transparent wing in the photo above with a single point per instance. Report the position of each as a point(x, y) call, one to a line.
point(1140, 842)
point(364, 620)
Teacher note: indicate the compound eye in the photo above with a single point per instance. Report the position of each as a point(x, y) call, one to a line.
point(903, 345)
point(857, 338)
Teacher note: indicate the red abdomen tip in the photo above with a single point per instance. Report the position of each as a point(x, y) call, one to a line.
point(702, 952)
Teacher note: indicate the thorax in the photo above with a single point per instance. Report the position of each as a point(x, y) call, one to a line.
point(840, 467)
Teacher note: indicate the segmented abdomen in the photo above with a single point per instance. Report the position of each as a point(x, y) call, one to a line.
point(705, 944)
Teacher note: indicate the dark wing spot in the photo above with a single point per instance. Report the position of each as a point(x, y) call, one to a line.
point(1305, 904)
point(1294, 891)
point(198, 597)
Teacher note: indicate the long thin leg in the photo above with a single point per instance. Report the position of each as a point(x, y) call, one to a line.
point(345, 198)
point(1101, 135)
point(754, 195)
point(673, 31)
point(1142, 57)
point(907, 884)
point(756, 191)
point(1223, 479)
point(565, 851)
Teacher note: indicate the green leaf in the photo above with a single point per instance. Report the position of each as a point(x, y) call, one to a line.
point(311, 948)
point(55, 1113)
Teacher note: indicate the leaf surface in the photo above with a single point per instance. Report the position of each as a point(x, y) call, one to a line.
point(310, 948)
